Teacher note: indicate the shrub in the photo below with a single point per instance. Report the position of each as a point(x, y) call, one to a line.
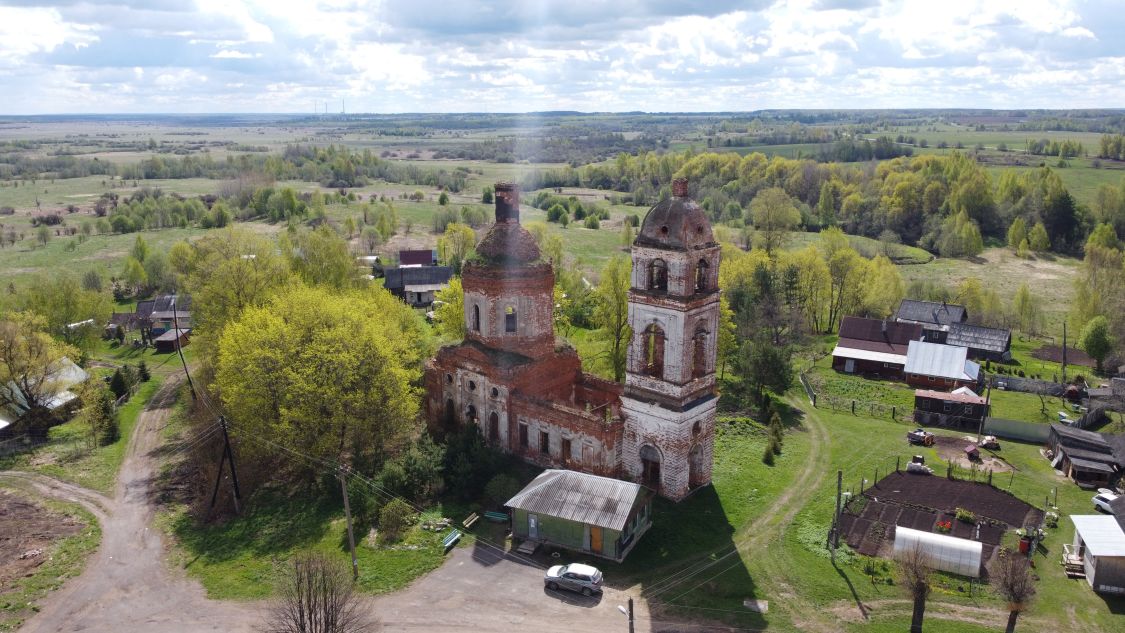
point(142, 372)
point(965, 516)
point(592, 222)
point(767, 457)
point(395, 518)
point(501, 488)
point(777, 433)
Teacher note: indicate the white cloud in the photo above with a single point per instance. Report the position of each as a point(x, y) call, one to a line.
point(25, 31)
point(228, 53)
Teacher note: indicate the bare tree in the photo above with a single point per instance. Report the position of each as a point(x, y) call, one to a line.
point(914, 572)
point(318, 596)
point(1010, 575)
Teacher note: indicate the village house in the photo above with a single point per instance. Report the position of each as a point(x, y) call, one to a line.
point(416, 285)
point(983, 343)
point(935, 318)
point(419, 257)
point(1091, 459)
point(960, 408)
point(57, 384)
point(931, 365)
point(873, 346)
point(581, 512)
point(527, 391)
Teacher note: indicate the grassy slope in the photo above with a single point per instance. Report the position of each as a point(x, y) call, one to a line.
point(66, 560)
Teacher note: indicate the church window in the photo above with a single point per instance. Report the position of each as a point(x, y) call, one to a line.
point(509, 319)
point(658, 276)
point(701, 280)
point(493, 427)
point(566, 448)
point(472, 386)
point(544, 442)
point(654, 351)
point(699, 353)
point(523, 435)
point(476, 318)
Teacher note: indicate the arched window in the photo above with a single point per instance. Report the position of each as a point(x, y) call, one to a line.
point(493, 427)
point(471, 414)
point(450, 414)
point(510, 319)
point(699, 353)
point(658, 275)
point(701, 276)
point(654, 351)
point(476, 318)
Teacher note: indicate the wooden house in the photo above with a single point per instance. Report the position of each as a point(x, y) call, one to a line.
point(416, 285)
point(1098, 550)
point(959, 408)
point(414, 258)
point(933, 365)
point(582, 512)
point(873, 346)
point(935, 318)
point(1087, 457)
point(983, 343)
point(172, 340)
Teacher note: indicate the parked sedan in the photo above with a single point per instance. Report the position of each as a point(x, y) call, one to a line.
point(575, 577)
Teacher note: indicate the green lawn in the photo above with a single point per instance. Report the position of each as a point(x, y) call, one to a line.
point(67, 455)
point(66, 559)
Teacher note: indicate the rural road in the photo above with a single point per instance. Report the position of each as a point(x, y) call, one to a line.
point(128, 586)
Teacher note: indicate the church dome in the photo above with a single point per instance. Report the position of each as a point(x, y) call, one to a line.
point(508, 244)
point(677, 223)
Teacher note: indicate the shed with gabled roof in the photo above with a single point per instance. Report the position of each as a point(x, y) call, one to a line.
point(987, 343)
point(582, 512)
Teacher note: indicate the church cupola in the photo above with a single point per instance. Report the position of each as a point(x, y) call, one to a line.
point(509, 293)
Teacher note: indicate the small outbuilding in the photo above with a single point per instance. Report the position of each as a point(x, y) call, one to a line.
point(581, 512)
point(960, 408)
point(172, 340)
point(1087, 457)
point(1099, 546)
point(416, 285)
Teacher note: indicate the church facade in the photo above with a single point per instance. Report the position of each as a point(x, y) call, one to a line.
point(527, 391)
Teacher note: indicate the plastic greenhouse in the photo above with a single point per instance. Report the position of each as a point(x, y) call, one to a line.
point(946, 553)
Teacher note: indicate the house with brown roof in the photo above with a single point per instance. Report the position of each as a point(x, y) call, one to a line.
point(873, 346)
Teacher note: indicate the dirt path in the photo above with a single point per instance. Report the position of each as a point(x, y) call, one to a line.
point(128, 586)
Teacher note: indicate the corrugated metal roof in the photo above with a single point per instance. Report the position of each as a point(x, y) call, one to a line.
point(580, 497)
point(967, 398)
point(1101, 534)
point(399, 278)
point(930, 312)
point(979, 337)
point(944, 361)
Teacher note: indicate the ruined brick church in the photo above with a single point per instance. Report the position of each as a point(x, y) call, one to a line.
point(527, 391)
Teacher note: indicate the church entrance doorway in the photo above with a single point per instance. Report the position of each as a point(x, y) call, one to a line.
point(650, 466)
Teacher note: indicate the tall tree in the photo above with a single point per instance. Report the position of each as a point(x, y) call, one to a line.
point(455, 245)
point(774, 216)
point(140, 249)
point(321, 257)
point(66, 308)
point(449, 315)
point(1027, 309)
point(318, 596)
point(611, 312)
point(914, 574)
point(1097, 340)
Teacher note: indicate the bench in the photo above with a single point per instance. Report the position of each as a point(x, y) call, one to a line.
point(451, 539)
point(473, 518)
point(496, 517)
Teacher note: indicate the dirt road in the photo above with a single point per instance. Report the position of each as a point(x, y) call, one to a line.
point(129, 587)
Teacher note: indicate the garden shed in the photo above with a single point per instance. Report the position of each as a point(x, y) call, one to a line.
point(582, 512)
point(945, 553)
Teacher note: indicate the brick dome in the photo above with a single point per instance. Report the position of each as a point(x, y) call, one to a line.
point(508, 243)
point(676, 223)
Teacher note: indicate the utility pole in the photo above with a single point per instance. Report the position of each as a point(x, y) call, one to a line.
point(180, 349)
point(341, 472)
point(227, 455)
point(1064, 353)
point(987, 400)
point(835, 536)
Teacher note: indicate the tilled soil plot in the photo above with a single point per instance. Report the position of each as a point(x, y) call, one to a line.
point(28, 531)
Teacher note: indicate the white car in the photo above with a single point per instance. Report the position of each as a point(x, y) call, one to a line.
point(575, 577)
point(1102, 501)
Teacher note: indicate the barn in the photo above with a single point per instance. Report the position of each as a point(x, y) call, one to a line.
point(873, 346)
point(583, 513)
point(1084, 456)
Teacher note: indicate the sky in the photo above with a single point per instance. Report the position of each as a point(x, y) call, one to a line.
point(385, 56)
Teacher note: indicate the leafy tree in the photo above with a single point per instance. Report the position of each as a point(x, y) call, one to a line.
point(591, 222)
point(64, 304)
point(1027, 309)
point(449, 316)
point(321, 257)
point(98, 413)
point(501, 488)
point(1097, 340)
point(395, 518)
point(883, 287)
point(728, 337)
point(1038, 239)
point(92, 281)
point(486, 195)
point(774, 216)
point(845, 269)
point(158, 274)
point(443, 199)
point(627, 234)
point(611, 312)
point(143, 374)
point(312, 370)
point(28, 359)
point(762, 365)
point(140, 249)
point(455, 245)
point(1017, 233)
point(43, 235)
point(134, 274)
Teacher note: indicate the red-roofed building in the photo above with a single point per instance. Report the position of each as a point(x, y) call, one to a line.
point(873, 346)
